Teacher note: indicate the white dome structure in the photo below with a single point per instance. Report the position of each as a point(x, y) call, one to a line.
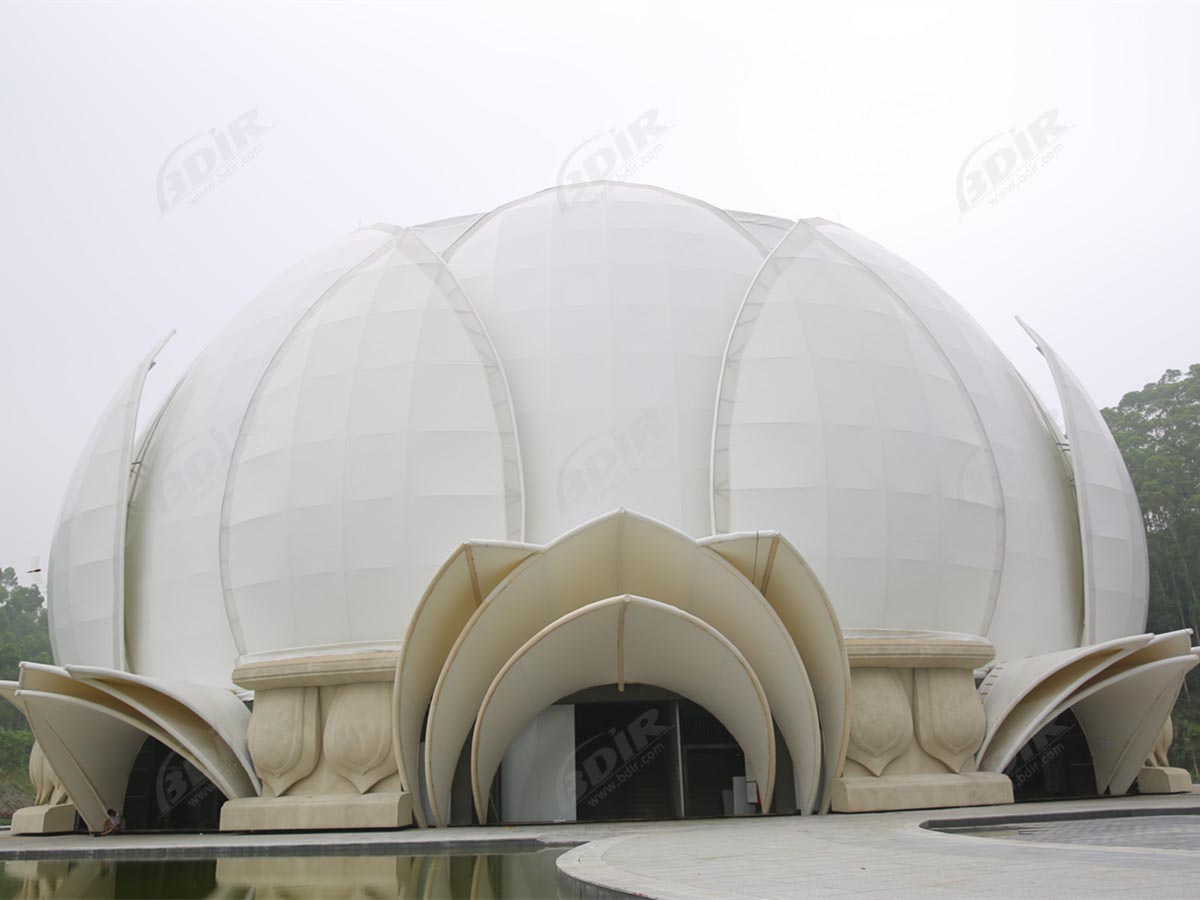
point(412, 403)
point(512, 376)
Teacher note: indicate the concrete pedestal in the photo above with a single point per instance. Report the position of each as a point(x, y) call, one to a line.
point(48, 818)
point(892, 792)
point(916, 723)
point(1158, 776)
point(52, 812)
point(334, 812)
point(320, 738)
point(1163, 780)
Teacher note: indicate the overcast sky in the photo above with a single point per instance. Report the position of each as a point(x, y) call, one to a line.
point(888, 118)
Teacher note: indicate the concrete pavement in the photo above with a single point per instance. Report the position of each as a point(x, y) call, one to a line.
point(892, 855)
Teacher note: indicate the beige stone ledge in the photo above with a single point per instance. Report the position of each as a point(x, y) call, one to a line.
point(900, 649)
point(335, 812)
point(894, 792)
point(325, 670)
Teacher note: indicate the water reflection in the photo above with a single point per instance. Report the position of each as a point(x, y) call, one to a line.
point(485, 876)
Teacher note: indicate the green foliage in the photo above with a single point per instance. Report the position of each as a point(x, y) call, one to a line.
point(15, 788)
point(24, 635)
point(15, 745)
point(1158, 431)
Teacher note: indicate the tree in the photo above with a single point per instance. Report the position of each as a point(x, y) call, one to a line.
point(24, 635)
point(1158, 431)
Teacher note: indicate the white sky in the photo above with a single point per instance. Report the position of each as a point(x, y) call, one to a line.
point(410, 112)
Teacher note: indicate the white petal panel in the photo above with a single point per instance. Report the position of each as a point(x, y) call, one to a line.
point(89, 737)
point(176, 622)
point(1122, 717)
point(209, 723)
point(1039, 607)
point(206, 726)
point(620, 553)
point(1021, 695)
point(842, 424)
point(780, 573)
point(355, 473)
point(90, 748)
point(1116, 574)
point(86, 583)
point(624, 640)
point(8, 690)
point(610, 317)
point(454, 593)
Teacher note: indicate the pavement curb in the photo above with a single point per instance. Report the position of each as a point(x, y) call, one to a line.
point(116, 850)
point(960, 822)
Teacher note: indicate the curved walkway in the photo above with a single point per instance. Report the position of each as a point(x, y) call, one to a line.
point(892, 855)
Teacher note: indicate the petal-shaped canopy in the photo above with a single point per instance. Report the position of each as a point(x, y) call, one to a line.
point(453, 595)
point(176, 618)
point(351, 475)
point(841, 421)
point(611, 317)
point(90, 747)
point(1020, 695)
point(620, 553)
point(1039, 605)
point(781, 574)
point(65, 709)
point(1116, 574)
point(210, 722)
point(1123, 715)
point(86, 583)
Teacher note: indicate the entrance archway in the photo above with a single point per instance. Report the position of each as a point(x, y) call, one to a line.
point(643, 753)
point(624, 640)
point(165, 792)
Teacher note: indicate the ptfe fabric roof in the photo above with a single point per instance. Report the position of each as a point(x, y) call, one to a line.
point(510, 376)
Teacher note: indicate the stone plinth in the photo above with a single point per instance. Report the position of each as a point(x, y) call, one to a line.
point(46, 818)
point(1158, 776)
point(1163, 780)
point(320, 738)
point(54, 812)
point(916, 723)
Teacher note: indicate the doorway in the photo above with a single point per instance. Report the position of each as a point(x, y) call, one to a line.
point(165, 792)
point(1056, 764)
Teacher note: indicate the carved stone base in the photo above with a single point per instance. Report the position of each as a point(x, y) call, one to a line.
point(916, 722)
point(320, 737)
point(889, 792)
point(329, 813)
point(1163, 780)
point(49, 818)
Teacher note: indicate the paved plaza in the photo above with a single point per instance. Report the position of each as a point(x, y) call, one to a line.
point(1175, 832)
point(892, 855)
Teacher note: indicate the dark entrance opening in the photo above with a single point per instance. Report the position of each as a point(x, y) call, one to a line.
point(648, 753)
point(165, 792)
point(1055, 764)
point(625, 753)
point(712, 760)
